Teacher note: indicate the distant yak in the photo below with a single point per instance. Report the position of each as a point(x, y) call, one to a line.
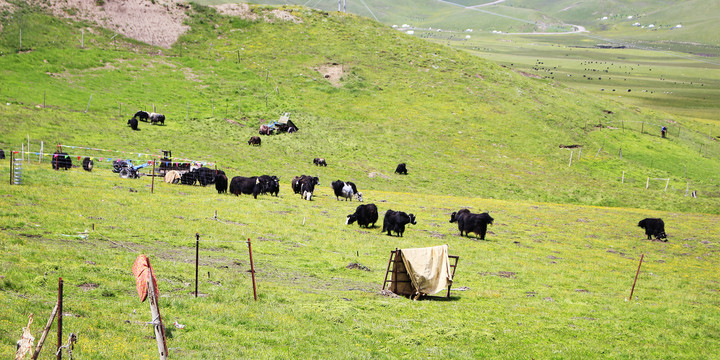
point(401, 169)
point(471, 223)
point(653, 227)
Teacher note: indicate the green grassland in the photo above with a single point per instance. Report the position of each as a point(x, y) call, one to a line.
point(550, 281)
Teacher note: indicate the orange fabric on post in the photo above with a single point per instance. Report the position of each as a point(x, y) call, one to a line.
point(141, 268)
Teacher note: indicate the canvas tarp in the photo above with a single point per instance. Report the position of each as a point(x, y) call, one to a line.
point(428, 270)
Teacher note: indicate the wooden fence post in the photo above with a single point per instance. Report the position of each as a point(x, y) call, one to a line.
point(60, 315)
point(152, 185)
point(252, 269)
point(39, 346)
point(197, 259)
point(156, 319)
point(647, 184)
point(623, 178)
point(666, 184)
point(636, 276)
point(571, 156)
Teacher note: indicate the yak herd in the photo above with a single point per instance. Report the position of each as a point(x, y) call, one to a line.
point(141, 115)
point(366, 215)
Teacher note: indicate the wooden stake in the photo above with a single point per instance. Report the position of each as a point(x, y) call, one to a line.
point(666, 184)
point(43, 99)
point(642, 128)
point(598, 152)
point(647, 184)
point(60, 315)
point(156, 319)
point(623, 178)
point(620, 153)
point(252, 269)
point(197, 258)
point(579, 153)
point(152, 185)
point(39, 346)
point(571, 156)
point(636, 276)
point(88, 105)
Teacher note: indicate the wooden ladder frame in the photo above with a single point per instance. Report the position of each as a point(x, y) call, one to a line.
point(395, 258)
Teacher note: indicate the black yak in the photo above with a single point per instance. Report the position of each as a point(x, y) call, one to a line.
point(271, 184)
point(61, 160)
point(255, 141)
point(133, 123)
point(345, 189)
point(401, 169)
point(653, 227)
point(364, 215)
point(319, 162)
point(296, 182)
point(472, 223)
point(246, 185)
point(141, 115)
point(2, 154)
point(395, 221)
point(307, 186)
point(221, 183)
point(157, 118)
point(87, 164)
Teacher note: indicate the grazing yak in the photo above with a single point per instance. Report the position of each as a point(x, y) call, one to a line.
point(395, 221)
point(307, 186)
point(172, 177)
point(346, 189)
point(255, 141)
point(364, 215)
point(221, 183)
point(206, 176)
point(271, 184)
point(61, 160)
point(133, 123)
point(653, 227)
point(471, 223)
point(296, 182)
point(401, 169)
point(319, 162)
point(157, 118)
point(188, 178)
point(87, 164)
point(141, 115)
point(246, 185)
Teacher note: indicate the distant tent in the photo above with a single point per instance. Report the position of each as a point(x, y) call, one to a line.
point(420, 271)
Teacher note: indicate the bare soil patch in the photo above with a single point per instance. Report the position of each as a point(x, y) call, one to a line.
point(244, 11)
point(332, 72)
point(158, 22)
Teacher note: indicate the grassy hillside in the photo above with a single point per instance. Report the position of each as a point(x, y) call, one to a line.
point(550, 281)
point(464, 126)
